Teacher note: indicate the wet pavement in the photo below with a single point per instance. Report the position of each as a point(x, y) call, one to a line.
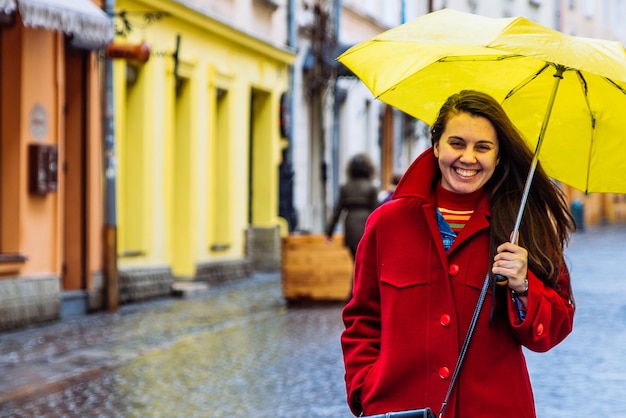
point(584, 375)
point(50, 358)
point(238, 350)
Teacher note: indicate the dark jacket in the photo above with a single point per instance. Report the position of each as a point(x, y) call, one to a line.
point(411, 308)
point(358, 198)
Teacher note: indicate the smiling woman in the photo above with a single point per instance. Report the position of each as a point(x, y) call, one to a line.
point(426, 254)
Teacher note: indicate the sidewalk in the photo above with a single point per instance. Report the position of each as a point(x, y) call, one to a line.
point(51, 356)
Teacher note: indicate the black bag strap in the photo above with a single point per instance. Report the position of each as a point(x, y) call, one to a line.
point(468, 337)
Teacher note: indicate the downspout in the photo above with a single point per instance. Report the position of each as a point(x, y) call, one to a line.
point(336, 119)
point(316, 88)
point(292, 43)
point(109, 165)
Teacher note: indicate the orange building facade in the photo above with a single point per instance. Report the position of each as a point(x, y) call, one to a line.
point(597, 208)
point(51, 218)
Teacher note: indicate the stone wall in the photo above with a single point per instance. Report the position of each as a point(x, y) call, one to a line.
point(264, 248)
point(223, 271)
point(144, 283)
point(29, 300)
point(263, 252)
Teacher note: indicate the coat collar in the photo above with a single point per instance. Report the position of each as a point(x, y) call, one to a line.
point(418, 179)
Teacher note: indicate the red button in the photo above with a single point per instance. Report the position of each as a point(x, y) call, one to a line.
point(539, 330)
point(445, 320)
point(444, 373)
point(454, 269)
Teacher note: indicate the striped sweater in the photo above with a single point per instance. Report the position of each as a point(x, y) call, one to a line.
point(456, 208)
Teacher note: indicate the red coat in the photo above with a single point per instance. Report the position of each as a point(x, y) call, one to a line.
point(412, 306)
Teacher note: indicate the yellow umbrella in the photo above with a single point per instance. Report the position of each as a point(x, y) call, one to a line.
point(539, 75)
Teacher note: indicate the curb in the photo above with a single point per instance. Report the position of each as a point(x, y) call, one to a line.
point(35, 379)
point(188, 289)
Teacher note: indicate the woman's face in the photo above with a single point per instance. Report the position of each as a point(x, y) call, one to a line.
point(467, 153)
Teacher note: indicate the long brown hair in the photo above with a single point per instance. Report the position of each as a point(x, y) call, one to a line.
point(547, 222)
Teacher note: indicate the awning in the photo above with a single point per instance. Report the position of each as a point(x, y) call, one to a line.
point(79, 18)
point(7, 6)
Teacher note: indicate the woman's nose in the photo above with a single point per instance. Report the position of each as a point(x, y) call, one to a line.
point(468, 155)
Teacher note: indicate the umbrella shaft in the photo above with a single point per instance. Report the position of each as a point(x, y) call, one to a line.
point(558, 76)
point(529, 180)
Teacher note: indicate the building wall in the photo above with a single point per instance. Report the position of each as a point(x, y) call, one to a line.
point(42, 258)
point(367, 124)
point(331, 135)
point(199, 153)
point(27, 217)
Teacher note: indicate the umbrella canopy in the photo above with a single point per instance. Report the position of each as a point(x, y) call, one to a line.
point(415, 67)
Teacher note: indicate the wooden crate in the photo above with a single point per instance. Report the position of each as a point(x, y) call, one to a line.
point(313, 269)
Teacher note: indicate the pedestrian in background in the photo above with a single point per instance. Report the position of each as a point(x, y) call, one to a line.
point(423, 260)
point(358, 197)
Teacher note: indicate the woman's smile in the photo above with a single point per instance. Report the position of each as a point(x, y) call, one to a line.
point(465, 172)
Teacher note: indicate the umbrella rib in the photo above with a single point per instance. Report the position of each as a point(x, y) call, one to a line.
point(614, 84)
point(457, 58)
point(585, 89)
point(525, 82)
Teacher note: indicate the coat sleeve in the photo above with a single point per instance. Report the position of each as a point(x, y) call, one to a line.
point(360, 340)
point(549, 313)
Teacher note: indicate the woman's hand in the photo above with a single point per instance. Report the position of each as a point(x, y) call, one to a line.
point(511, 261)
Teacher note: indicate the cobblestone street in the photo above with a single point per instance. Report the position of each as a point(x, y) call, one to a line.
point(240, 351)
point(584, 376)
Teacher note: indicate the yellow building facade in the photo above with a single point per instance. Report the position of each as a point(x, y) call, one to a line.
point(198, 148)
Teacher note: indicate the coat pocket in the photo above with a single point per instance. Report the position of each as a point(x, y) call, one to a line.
point(403, 281)
point(406, 273)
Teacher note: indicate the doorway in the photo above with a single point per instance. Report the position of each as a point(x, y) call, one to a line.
point(73, 169)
